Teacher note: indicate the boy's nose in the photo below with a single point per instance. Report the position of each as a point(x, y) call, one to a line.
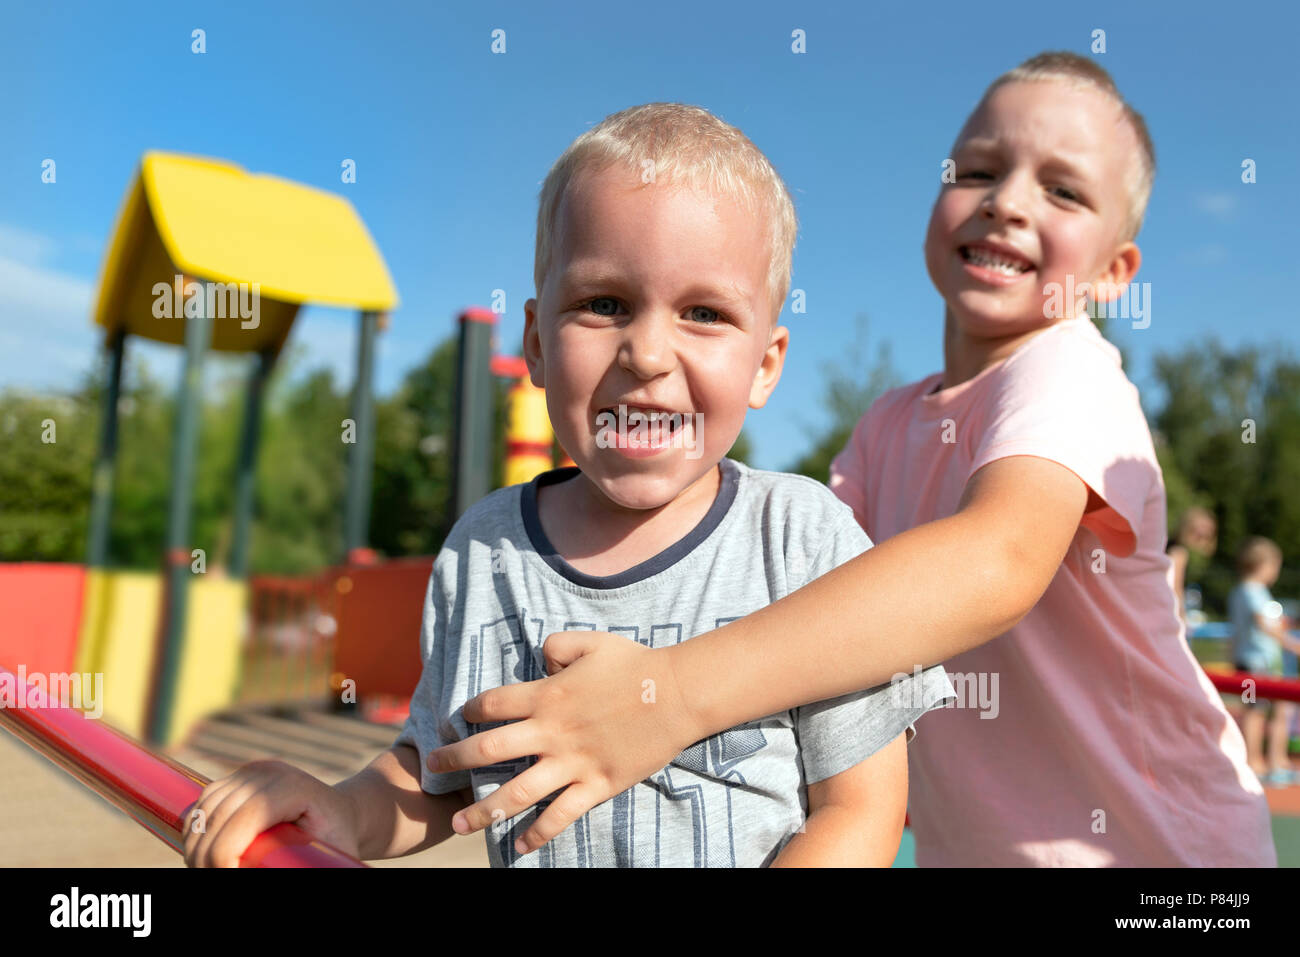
point(647, 349)
point(1005, 203)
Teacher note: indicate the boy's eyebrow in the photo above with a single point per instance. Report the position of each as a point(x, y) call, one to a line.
point(981, 144)
point(735, 294)
point(1058, 161)
point(595, 275)
point(1059, 164)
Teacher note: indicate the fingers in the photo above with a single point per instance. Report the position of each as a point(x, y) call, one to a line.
point(565, 647)
point(507, 703)
point(199, 820)
point(493, 746)
point(513, 797)
point(576, 801)
point(237, 809)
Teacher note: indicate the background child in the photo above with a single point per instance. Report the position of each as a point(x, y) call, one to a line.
point(1259, 630)
point(1016, 495)
point(1197, 535)
point(661, 266)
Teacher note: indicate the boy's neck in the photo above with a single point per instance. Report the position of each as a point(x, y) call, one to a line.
point(600, 537)
point(966, 356)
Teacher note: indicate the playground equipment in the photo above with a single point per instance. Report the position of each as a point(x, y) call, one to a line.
point(154, 791)
point(529, 437)
point(206, 256)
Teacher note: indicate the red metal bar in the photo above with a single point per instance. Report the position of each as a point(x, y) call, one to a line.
point(1266, 686)
point(153, 789)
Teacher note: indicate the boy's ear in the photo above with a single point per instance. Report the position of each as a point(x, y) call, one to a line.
point(769, 372)
point(533, 346)
point(1123, 267)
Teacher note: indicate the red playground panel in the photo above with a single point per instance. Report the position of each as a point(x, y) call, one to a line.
point(42, 616)
point(379, 612)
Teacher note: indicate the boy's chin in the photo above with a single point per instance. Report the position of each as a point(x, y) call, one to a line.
point(643, 489)
point(985, 320)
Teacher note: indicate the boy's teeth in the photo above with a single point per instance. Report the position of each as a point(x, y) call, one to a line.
point(991, 260)
point(653, 417)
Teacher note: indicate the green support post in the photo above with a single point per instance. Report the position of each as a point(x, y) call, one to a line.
point(101, 501)
point(356, 516)
point(472, 462)
point(198, 334)
point(246, 467)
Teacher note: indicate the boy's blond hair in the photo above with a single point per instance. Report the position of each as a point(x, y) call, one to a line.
point(1079, 71)
point(684, 145)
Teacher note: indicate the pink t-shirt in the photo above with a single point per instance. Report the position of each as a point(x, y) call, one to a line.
point(1087, 734)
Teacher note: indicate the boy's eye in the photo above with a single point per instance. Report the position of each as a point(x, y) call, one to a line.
point(602, 305)
point(1065, 193)
point(705, 315)
point(975, 174)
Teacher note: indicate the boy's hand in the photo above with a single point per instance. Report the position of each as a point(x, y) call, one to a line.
point(627, 693)
point(236, 809)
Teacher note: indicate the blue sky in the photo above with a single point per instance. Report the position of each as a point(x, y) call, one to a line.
point(451, 144)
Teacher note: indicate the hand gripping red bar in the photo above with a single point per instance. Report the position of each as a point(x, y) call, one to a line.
point(154, 790)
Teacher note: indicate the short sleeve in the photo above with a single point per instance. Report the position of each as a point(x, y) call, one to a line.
point(848, 473)
point(838, 733)
point(427, 726)
point(1065, 398)
point(1257, 598)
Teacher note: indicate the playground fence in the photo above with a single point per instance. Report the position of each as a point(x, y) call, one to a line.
point(289, 652)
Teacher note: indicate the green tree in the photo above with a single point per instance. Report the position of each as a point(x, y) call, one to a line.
point(47, 449)
point(852, 384)
point(411, 506)
point(1228, 437)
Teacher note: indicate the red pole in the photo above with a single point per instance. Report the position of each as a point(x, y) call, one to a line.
point(154, 790)
point(1267, 687)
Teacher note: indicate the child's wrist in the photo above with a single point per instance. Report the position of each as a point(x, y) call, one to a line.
point(690, 709)
point(349, 789)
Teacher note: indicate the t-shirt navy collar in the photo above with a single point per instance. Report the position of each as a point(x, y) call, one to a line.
point(646, 569)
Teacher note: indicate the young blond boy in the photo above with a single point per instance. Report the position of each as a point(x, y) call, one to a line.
point(663, 256)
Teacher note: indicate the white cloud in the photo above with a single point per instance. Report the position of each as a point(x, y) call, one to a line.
point(25, 246)
point(47, 337)
point(1220, 205)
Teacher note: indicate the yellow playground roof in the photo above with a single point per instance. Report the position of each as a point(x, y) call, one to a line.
point(206, 219)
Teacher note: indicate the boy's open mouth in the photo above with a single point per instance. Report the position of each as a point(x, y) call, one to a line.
point(659, 421)
point(640, 427)
point(997, 259)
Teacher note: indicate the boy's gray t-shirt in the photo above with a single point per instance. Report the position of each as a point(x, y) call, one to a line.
point(497, 590)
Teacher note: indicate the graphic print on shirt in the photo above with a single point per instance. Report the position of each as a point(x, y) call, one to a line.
point(505, 651)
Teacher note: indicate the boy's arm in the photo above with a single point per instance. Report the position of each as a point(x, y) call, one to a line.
point(855, 818)
point(918, 598)
point(392, 815)
point(1276, 627)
